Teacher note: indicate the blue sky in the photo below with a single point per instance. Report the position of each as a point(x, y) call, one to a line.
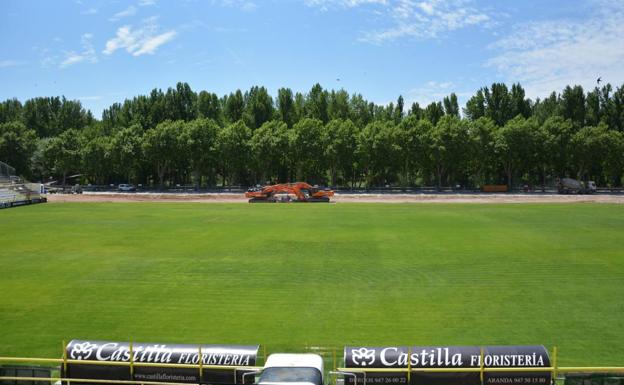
point(101, 52)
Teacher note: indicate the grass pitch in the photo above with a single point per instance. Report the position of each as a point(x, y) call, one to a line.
point(290, 276)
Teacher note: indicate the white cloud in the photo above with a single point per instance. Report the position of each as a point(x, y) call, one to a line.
point(94, 97)
point(131, 10)
point(145, 39)
point(9, 63)
point(546, 56)
point(429, 92)
point(90, 11)
point(433, 91)
point(412, 18)
point(326, 4)
point(86, 55)
point(145, 3)
point(243, 5)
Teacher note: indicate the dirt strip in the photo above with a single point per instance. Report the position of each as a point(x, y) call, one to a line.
point(344, 198)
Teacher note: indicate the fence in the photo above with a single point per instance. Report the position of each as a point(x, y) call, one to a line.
point(6, 170)
point(555, 370)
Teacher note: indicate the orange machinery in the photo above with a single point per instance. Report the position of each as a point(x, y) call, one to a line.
point(288, 192)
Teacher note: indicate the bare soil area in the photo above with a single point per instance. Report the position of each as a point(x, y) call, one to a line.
point(344, 198)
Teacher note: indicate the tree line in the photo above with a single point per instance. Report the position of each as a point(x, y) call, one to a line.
point(322, 136)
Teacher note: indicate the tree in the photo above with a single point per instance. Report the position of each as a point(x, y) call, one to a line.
point(434, 112)
point(515, 146)
point(361, 113)
point(593, 112)
point(416, 111)
point(448, 147)
point(543, 109)
point(181, 103)
point(200, 138)
point(411, 135)
point(519, 105)
point(162, 147)
point(475, 107)
point(17, 145)
point(286, 106)
point(97, 159)
point(498, 103)
point(234, 152)
point(613, 160)
point(308, 144)
point(270, 146)
point(573, 105)
point(258, 107)
point(483, 162)
point(234, 106)
point(316, 104)
point(209, 106)
point(589, 146)
point(51, 116)
point(340, 148)
point(339, 107)
point(450, 105)
point(616, 110)
point(127, 152)
point(64, 153)
point(398, 111)
point(378, 152)
point(10, 111)
point(557, 133)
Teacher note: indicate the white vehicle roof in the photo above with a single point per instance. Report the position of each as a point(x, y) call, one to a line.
point(302, 360)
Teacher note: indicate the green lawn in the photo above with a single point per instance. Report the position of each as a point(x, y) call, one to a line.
point(290, 276)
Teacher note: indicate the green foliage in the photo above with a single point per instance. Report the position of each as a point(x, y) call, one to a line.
point(573, 105)
point(209, 106)
point(447, 146)
point(127, 152)
point(434, 112)
point(258, 107)
point(450, 105)
point(378, 151)
point(96, 157)
point(234, 106)
point(515, 145)
point(316, 104)
point(340, 151)
point(308, 146)
point(286, 106)
point(183, 137)
point(233, 143)
point(64, 153)
point(270, 145)
point(17, 145)
point(164, 148)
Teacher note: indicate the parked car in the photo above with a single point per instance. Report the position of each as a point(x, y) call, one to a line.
point(125, 187)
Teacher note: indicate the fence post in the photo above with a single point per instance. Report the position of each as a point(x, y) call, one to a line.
point(409, 365)
point(64, 361)
point(201, 363)
point(554, 372)
point(334, 359)
point(481, 364)
point(131, 363)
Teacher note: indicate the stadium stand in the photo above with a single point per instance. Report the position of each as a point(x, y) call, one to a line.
point(15, 191)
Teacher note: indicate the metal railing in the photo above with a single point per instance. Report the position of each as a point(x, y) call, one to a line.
point(554, 369)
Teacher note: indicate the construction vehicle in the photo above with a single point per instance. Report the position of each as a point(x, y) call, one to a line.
point(573, 186)
point(288, 192)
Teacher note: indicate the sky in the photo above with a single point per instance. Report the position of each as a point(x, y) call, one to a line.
point(101, 52)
